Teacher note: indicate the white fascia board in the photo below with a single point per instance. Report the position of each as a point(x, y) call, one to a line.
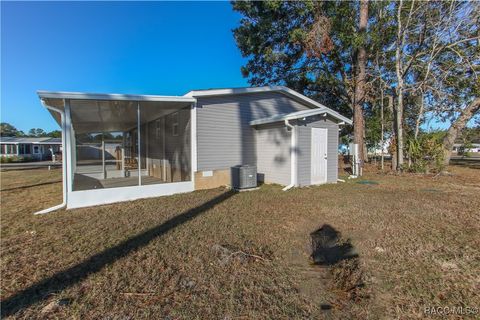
point(316, 104)
point(111, 96)
point(298, 115)
point(281, 89)
point(326, 110)
point(230, 91)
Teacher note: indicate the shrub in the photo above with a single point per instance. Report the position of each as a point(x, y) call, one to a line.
point(5, 160)
point(15, 159)
point(425, 154)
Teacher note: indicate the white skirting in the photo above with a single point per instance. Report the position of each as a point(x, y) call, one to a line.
point(86, 198)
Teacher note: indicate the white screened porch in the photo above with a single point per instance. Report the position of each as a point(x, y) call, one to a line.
point(134, 145)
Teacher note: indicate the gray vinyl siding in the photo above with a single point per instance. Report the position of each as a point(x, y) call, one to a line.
point(304, 149)
point(273, 153)
point(224, 135)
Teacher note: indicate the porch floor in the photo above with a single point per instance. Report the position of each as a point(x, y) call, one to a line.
point(82, 182)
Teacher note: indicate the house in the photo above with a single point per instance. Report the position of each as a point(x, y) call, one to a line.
point(44, 148)
point(380, 149)
point(122, 147)
point(461, 148)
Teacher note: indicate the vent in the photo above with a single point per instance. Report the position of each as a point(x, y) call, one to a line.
point(244, 177)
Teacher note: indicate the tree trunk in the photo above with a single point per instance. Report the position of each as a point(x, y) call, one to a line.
point(382, 141)
point(365, 150)
point(394, 160)
point(393, 148)
point(458, 126)
point(358, 118)
point(400, 85)
point(399, 130)
point(420, 115)
point(393, 141)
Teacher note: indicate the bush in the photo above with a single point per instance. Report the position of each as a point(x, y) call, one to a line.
point(15, 159)
point(425, 154)
point(27, 159)
point(5, 160)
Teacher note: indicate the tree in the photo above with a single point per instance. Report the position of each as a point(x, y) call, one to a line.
point(303, 45)
point(419, 59)
point(360, 81)
point(399, 69)
point(7, 130)
point(280, 41)
point(373, 138)
point(436, 47)
point(55, 134)
point(37, 132)
point(456, 127)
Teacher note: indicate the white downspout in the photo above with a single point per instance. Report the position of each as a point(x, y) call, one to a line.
point(64, 163)
point(293, 157)
point(193, 140)
point(139, 149)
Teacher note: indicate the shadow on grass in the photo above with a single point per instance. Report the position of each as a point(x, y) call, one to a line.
point(64, 279)
point(31, 186)
point(328, 248)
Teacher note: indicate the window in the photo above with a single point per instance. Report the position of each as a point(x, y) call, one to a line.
point(10, 149)
point(175, 124)
point(24, 149)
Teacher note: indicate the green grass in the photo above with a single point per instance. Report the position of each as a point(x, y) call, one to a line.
point(156, 257)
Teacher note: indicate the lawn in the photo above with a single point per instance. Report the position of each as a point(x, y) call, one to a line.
point(216, 254)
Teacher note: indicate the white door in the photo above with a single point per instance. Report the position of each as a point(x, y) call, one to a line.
point(319, 156)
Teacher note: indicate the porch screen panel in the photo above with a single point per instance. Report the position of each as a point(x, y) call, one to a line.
point(105, 141)
point(165, 143)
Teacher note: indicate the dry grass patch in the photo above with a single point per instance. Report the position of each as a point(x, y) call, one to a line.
point(416, 239)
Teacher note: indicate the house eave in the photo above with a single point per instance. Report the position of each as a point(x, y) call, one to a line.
point(301, 114)
point(111, 96)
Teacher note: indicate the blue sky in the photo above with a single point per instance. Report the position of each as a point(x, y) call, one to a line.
point(164, 48)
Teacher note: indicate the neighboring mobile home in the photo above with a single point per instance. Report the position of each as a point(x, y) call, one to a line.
point(461, 148)
point(125, 147)
point(44, 148)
